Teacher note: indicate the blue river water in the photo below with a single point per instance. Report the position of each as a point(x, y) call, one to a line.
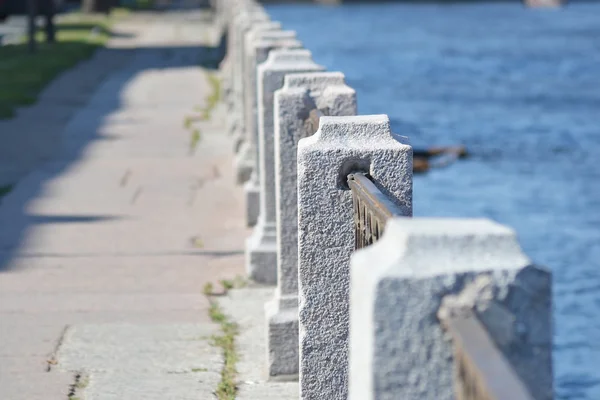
point(521, 89)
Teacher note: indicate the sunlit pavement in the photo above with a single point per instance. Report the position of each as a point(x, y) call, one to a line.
point(106, 242)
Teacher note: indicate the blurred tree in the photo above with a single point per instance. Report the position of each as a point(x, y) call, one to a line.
point(31, 16)
point(91, 6)
point(48, 9)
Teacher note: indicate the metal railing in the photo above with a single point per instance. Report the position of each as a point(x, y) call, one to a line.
point(482, 372)
point(311, 123)
point(372, 209)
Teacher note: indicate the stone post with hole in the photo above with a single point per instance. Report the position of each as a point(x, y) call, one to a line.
point(261, 247)
point(259, 42)
point(421, 270)
point(341, 146)
point(298, 105)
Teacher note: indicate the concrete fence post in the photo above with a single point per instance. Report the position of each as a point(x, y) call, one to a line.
point(242, 22)
point(417, 271)
point(259, 42)
point(247, 159)
point(261, 250)
point(301, 95)
point(228, 14)
point(248, 56)
point(342, 145)
point(237, 16)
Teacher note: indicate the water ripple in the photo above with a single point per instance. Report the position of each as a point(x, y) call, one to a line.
point(520, 88)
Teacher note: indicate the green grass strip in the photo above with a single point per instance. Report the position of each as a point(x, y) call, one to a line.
point(137, 5)
point(215, 95)
point(23, 75)
point(227, 387)
point(212, 100)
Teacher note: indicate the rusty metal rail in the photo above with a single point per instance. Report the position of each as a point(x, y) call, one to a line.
point(311, 123)
point(482, 372)
point(372, 209)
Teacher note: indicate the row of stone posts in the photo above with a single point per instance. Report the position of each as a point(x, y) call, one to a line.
point(365, 324)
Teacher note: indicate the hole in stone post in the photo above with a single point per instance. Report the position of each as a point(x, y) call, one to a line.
point(351, 167)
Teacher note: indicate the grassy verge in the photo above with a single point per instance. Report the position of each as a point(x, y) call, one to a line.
point(138, 5)
point(24, 75)
point(215, 95)
point(227, 388)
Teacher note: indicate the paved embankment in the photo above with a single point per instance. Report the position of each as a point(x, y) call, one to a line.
point(105, 248)
point(246, 307)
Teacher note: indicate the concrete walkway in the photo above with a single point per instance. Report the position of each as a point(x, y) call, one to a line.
point(247, 308)
point(106, 246)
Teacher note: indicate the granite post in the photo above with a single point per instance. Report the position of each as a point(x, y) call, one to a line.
point(418, 272)
point(259, 42)
point(248, 158)
point(249, 36)
point(240, 21)
point(261, 247)
point(227, 11)
point(341, 146)
point(297, 105)
point(240, 26)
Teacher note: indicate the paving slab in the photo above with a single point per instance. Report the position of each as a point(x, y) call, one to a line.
point(115, 226)
point(36, 386)
point(163, 274)
point(247, 308)
point(73, 302)
point(22, 365)
point(105, 206)
point(28, 337)
point(167, 348)
point(164, 361)
point(33, 136)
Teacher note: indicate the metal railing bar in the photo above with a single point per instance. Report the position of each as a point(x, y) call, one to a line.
point(490, 372)
point(313, 121)
point(376, 201)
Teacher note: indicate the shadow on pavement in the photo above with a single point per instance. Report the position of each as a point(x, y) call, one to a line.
point(16, 221)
